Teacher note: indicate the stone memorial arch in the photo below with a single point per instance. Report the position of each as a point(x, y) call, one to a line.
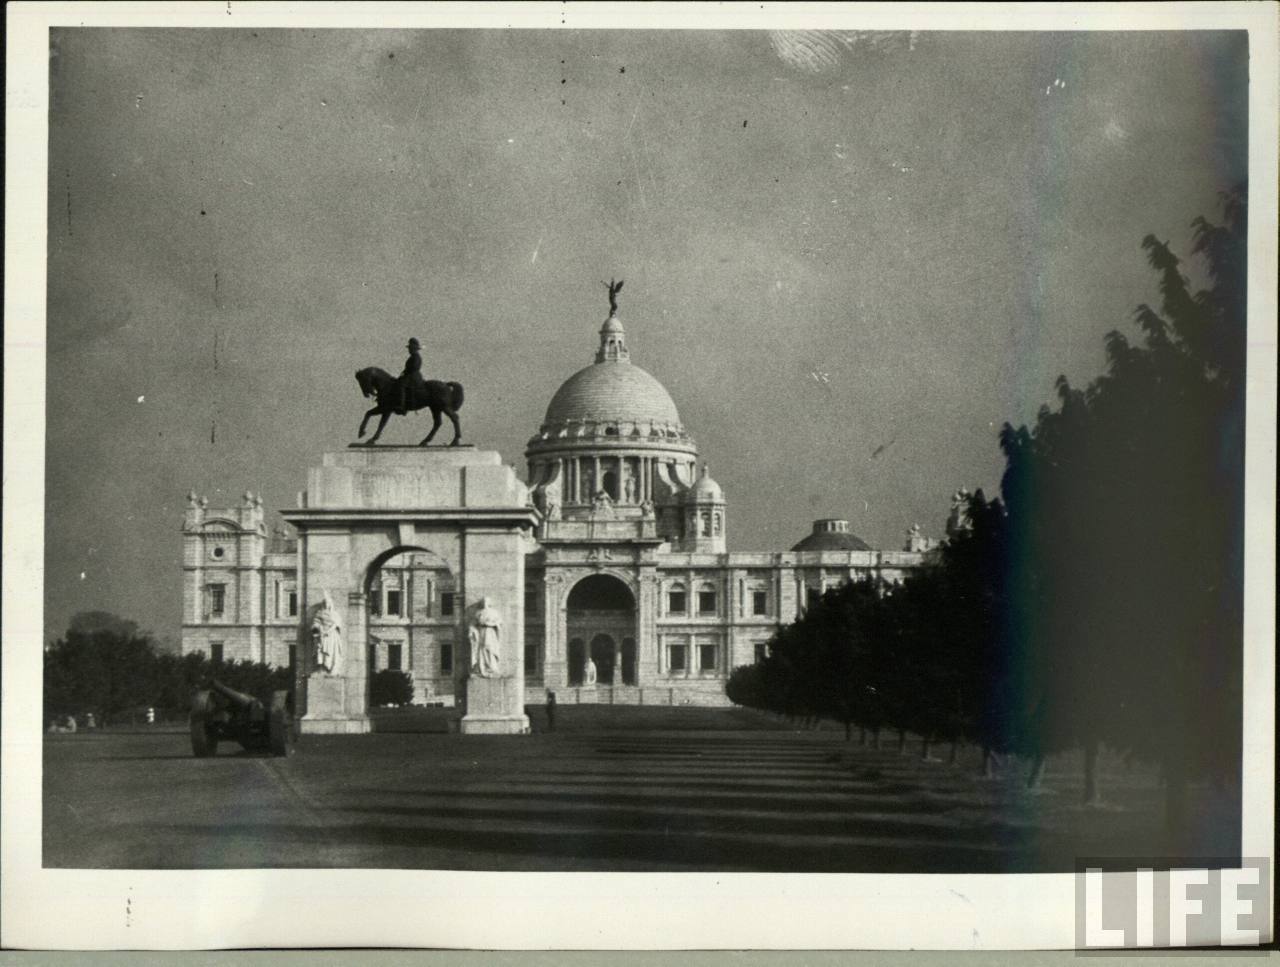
point(364, 506)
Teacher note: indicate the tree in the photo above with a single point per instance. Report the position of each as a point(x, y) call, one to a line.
point(390, 687)
point(104, 665)
point(1126, 503)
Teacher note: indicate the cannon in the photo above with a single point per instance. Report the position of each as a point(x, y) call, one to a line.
point(221, 714)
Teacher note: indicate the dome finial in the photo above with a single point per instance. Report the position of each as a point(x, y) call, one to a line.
point(614, 288)
point(613, 338)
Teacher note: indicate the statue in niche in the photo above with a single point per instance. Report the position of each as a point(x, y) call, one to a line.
point(589, 673)
point(485, 637)
point(646, 508)
point(629, 489)
point(326, 638)
point(602, 504)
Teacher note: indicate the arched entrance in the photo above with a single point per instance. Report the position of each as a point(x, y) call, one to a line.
point(602, 626)
point(412, 612)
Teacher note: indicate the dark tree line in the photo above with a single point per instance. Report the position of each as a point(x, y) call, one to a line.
point(1099, 599)
point(107, 667)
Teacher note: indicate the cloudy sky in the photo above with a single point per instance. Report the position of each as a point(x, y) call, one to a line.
point(849, 257)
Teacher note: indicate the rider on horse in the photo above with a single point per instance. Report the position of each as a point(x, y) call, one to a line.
point(411, 378)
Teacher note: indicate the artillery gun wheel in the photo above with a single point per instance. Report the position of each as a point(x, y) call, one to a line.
point(280, 725)
point(204, 742)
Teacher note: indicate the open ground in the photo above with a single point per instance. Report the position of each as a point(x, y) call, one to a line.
point(609, 789)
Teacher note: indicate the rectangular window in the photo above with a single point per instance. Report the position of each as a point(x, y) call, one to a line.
point(530, 601)
point(707, 658)
point(217, 599)
point(676, 654)
point(375, 603)
point(293, 656)
point(759, 602)
point(675, 602)
point(393, 657)
point(446, 659)
point(293, 604)
point(446, 603)
point(393, 602)
point(215, 652)
point(706, 602)
point(762, 651)
point(531, 659)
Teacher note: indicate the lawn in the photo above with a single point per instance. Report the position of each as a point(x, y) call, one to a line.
point(613, 788)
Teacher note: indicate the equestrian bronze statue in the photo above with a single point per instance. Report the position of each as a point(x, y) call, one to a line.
point(405, 395)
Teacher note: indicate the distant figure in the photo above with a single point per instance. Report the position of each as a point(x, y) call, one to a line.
point(614, 288)
point(70, 725)
point(551, 711)
point(151, 716)
point(411, 379)
point(90, 722)
point(589, 672)
point(486, 631)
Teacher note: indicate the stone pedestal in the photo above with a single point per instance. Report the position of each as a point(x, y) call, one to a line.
point(364, 506)
point(495, 706)
point(327, 712)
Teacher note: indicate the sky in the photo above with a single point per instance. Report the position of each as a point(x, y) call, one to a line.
point(849, 257)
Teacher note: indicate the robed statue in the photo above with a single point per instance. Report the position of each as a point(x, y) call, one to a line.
point(407, 393)
point(326, 638)
point(486, 639)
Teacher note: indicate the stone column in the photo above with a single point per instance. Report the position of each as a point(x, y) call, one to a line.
point(493, 562)
point(555, 672)
point(357, 659)
point(648, 650)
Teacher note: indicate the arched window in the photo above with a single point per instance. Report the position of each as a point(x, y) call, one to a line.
point(609, 483)
point(677, 598)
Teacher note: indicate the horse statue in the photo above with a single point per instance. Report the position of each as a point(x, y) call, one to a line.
point(432, 394)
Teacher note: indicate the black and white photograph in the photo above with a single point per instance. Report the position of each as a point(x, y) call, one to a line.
point(624, 441)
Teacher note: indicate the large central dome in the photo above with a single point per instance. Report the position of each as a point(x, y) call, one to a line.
point(612, 390)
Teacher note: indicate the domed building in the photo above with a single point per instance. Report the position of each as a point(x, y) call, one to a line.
point(631, 594)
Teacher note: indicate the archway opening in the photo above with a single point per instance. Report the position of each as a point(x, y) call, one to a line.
point(602, 631)
point(412, 608)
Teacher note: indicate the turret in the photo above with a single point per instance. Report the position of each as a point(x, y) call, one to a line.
point(703, 507)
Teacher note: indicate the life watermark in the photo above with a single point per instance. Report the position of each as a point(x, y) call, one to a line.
point(1128, 903)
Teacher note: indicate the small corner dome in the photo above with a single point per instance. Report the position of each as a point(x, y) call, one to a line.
point(705, 489)
point(831, 534)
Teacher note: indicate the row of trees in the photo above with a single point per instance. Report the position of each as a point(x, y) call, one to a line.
point(104, 665)
point(1099, 599)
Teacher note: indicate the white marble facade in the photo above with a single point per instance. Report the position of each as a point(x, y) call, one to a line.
point(629, 569)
